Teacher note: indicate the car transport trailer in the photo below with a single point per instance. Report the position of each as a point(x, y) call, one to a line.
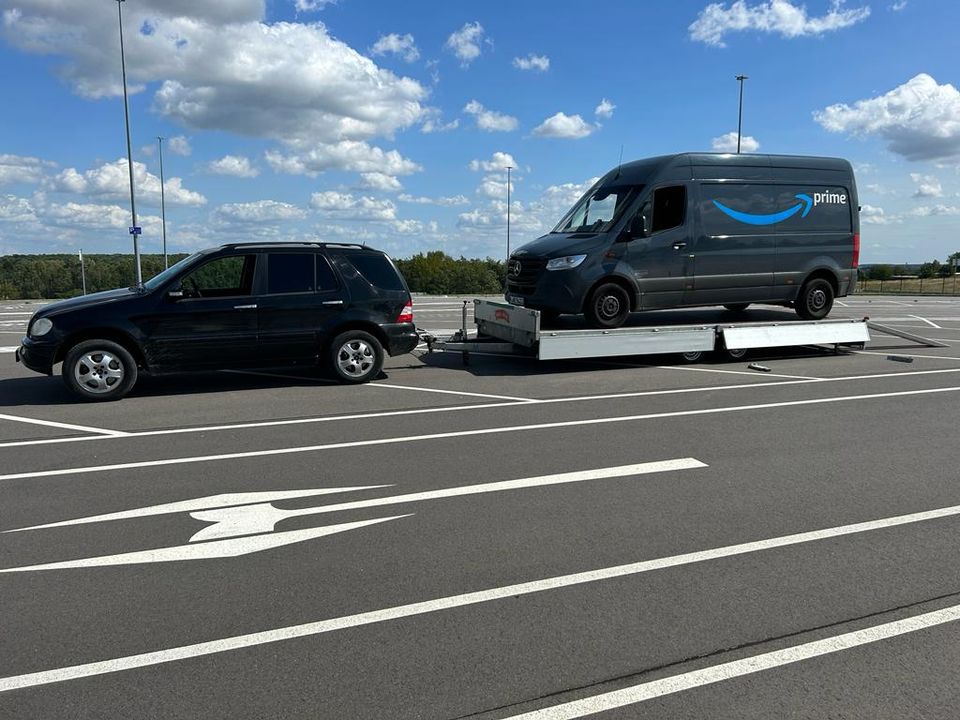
point(504, 329)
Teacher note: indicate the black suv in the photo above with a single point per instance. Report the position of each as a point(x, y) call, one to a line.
point(239, 305)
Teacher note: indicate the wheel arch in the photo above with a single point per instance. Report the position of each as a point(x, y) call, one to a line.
point(102, 333)
point(624, 282)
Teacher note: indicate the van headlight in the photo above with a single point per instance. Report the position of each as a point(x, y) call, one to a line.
point(41, 327)
point(565, 263)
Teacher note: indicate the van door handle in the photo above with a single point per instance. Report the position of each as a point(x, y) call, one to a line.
point(679, 245)
point(332, 302)
point(244, 307)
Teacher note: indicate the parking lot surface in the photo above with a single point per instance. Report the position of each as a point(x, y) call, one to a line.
point(615, 538)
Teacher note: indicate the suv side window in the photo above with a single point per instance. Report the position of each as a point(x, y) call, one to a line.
point(377, 270)
point(669, 206)
point(326, 280)
point(289, 273)
point(229, 276)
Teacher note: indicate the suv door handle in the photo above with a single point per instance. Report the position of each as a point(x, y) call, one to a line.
point(332, 302)
point(679, 245)
point(244, 307)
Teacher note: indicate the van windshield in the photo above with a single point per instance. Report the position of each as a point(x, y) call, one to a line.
point(599, 209)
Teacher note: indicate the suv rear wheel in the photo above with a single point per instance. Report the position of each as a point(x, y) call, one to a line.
point(99, 370)
point(356, 356)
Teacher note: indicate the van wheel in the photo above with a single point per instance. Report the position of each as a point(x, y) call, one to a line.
point(99, 370)
point(737, 307)
point(815, 299)
point(356, 356)
point(608, 307)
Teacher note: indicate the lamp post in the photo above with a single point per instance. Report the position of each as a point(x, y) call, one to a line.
point(509, 168)
point(740, 79)
point(163, 205)
point(134, 230)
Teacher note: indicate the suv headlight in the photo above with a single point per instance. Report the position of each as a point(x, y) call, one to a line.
point(41, 327)
point(565, 263)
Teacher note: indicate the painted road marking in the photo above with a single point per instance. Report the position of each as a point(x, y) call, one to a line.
point(230, 523)
point(732, 372)
point(9, 348)
point(462, 433)
point(480, 406)
point(913, 355)
point(928, 322)
point(205, 503)
point(450, 392)
point(738, 668)
point(65, 426)
point(449, 602)
point(205, 551)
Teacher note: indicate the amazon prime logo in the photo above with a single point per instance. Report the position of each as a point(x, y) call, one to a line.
point(805, 205)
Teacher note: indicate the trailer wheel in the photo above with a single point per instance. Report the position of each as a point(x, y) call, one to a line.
point(815, 299)
point(608, 307)
point(692, 357)
point(737, 307)
point(737, 354)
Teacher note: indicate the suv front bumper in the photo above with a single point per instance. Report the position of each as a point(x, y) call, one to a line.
point(37, 356)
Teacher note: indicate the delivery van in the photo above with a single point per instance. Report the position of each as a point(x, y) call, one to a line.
point(698, 229)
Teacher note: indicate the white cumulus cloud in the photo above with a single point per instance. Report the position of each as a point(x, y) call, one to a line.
point(111, 181)
point(570, 127)
point(234, 166)
point(728, 143)
point(498, 162)
point(345, 206)
point(22, 169)
point(604, 109)
point(919, 120)
point(928, 186)
point(353, 155)
point(394, 44)
point(258, 211)
point(539, 63)
point(380, 181)
point(781, 17)
point(490, 120)
point(449, 201)
point(465, 42)
point(179, 145)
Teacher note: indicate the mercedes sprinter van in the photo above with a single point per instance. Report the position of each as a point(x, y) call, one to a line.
point(698, 229)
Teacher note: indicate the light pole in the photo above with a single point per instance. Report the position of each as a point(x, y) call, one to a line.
point(163, 205)
point(740, 79)
point(509, 168)
point(134, 230)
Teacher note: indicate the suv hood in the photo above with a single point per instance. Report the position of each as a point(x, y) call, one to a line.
point(560, 244)
point(83, 301)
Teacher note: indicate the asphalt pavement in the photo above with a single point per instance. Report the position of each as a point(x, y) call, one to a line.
point(626, 538)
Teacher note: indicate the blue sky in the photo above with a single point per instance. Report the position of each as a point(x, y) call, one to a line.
point(390, 123)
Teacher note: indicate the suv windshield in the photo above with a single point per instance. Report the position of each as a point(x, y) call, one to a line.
point(158, 280)
point(598, 209)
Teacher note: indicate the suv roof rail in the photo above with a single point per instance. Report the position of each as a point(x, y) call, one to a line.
point(296, 243)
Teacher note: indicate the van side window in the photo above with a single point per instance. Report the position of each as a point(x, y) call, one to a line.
point(229, 276)
point(289, 273)
point(669, 204)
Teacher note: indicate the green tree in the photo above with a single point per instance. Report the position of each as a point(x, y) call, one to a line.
point(881, 272)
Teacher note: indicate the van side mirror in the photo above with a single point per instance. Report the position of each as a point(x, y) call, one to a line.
point(639, 226)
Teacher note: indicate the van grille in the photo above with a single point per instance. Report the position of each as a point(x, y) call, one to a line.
point(524, 282)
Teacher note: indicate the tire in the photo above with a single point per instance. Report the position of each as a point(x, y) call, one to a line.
point(692, 356)
point(99, 370)
point(356, 357)
point(737, 307)
point(738, 354)
point(608, 306)
point(815, 299)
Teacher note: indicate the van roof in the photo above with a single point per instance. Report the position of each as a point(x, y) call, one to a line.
point(639, 171)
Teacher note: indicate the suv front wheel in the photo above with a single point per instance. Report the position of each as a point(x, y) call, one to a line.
point(99, 370)
point(356, 356)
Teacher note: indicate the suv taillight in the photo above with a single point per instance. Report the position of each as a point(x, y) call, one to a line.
point(856, 250)
point(406, 315)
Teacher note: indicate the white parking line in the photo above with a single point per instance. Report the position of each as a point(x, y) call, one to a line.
point(733, 372)
point(928, 322)
point(479, 406)
point(237, 642)
point(912, 355)
point(738, 668)
point(65, 426)
point(450, 392)
point(459, 434)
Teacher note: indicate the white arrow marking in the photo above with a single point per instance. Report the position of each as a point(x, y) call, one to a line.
point(205, 551)
point(212, 501)
point(262, 518)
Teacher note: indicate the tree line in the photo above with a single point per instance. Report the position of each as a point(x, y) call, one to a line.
point(931, 269)
point(31, 277)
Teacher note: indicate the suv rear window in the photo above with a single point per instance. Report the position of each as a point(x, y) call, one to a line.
point(377, 270)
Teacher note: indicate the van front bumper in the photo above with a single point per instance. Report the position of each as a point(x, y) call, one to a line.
point(559, 290)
